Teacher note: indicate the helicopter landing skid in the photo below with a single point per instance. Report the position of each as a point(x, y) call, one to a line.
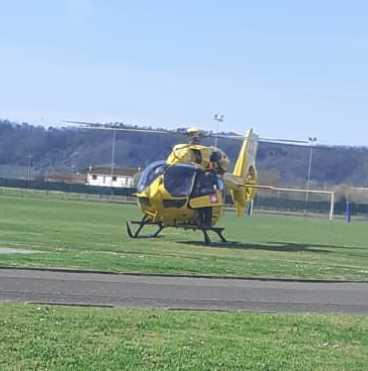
point(160, 227)
point(141, 224)
point(217, 230)
point(204, 230)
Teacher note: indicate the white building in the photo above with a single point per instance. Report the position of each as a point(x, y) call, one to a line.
point(103, 176)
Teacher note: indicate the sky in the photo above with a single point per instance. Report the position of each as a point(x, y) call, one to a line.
point(287, 68)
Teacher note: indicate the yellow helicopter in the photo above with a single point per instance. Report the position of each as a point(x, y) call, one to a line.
point(188, 189)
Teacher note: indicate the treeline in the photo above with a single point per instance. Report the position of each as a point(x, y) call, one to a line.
point(25, 148)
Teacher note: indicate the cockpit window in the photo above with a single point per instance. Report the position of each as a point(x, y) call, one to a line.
point(179, 180)
point(207, 183)
point(150, 173)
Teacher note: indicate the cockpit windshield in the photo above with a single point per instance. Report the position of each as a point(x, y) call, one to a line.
point(179, 180)
point(150, 173)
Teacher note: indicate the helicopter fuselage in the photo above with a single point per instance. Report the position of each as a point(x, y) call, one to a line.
point(180, 194)
point(187, 190)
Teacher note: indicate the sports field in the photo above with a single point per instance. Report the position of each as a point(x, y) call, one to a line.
point(91, 235)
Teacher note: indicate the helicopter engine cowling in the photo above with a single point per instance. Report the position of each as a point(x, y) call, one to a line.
point(208, 158)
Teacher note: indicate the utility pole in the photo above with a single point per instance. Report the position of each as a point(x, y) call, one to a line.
point(29, 164)
point(312, 141)
point(113, 155)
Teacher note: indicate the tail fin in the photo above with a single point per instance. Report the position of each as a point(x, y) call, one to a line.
point(245, 173)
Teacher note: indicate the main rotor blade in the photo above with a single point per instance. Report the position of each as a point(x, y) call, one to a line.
point(127, 129)
point(119, 127)
point(225, 136)
point(83, 123)
point(260, 139)
point(282, 140)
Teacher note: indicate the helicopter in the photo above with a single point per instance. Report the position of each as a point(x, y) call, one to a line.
point(187, 190)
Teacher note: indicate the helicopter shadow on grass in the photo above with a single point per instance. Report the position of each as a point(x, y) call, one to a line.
point(268, 246)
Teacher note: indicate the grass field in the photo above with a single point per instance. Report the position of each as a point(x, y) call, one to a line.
point(56, 338)
point(90, 235)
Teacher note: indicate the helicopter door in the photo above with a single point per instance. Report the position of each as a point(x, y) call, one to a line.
point(205, 195)
point(206, 183)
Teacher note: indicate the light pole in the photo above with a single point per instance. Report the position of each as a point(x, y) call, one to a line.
point(113, 156)
point(29, 167)
point(312, 141)
point(218, 118)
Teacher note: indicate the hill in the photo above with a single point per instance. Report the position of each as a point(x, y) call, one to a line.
point(25, 148)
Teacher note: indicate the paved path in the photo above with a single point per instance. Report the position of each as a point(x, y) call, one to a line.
point(185, 293)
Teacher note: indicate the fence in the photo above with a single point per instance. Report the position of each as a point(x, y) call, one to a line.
point(262, 203)
point(65, 187)
point(314, 207)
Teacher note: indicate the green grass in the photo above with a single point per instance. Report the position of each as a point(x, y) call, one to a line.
point(56, 338)
point(91, 235)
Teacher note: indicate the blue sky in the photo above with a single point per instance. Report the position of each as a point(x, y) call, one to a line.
point(287, 68)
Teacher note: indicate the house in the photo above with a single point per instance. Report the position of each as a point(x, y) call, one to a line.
point(105, 176)
point(61, 177)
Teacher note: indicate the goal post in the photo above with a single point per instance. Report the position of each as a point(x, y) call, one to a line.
point(293, 201)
